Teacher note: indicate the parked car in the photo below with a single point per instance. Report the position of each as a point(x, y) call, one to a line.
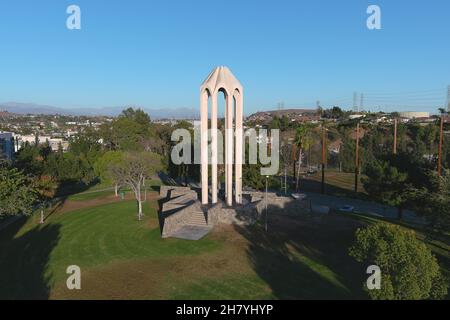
point(298, 196)
point(346, 208)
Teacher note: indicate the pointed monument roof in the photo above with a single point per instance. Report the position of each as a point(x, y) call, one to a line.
point(221, 77)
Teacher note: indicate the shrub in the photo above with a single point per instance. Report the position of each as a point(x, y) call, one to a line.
point(409, 271)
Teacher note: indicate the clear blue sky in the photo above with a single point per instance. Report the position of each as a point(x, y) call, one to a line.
point(157, 53)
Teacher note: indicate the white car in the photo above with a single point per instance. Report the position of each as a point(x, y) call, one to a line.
point(298, 196)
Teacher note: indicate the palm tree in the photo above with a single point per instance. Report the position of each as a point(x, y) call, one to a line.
point(303, 140)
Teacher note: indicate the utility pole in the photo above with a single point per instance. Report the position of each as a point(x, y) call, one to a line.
point(323, 158)
point(357, 158)
point(294, 157)
point(266, 201)
point(441, 138)
point(395, 136)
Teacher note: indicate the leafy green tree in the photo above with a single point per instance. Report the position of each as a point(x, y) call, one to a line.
point(45, 187)
point(387, 184)
point(275, 123)
point(102, 168)
point(434, 201)
point(337, 112)
point(347, 154)
point(409, 271)
point(17, 194)
point(30, 159)
point(303, 140)
point(129, 130)
point(285, 122)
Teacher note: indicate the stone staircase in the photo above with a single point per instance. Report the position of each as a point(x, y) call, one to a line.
point(183, 215)
point(197, 218)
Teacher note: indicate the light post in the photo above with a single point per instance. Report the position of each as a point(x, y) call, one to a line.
point(285, 180)
point(267, 177)
point(357, 158)
point(441, 138)
point(322, 189)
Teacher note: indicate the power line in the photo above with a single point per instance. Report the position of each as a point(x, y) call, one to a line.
point(414, 92)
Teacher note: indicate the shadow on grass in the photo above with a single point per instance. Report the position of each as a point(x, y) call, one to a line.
point(70, 187)
point(312, 185)
point(306, 257)
point(24, 259)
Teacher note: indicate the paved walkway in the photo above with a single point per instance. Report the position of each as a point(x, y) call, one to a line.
point(369, 207)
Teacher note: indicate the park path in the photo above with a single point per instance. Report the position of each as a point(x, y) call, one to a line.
point(363, 206)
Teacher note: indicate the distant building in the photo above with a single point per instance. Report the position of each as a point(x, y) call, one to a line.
point(6, 145)
point(54, 143)
point(414, 115)
point(356, 116)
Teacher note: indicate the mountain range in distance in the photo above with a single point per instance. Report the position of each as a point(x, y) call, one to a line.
point(155, 113)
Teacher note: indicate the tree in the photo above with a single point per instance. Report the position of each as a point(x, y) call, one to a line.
point(129, 131)
point(409, 271)
point(442, 111)
point(133, 170)
point(337, 112)
point(275, 123)
point(286, 157)
point(433, 201)
point(303, 140)
point(17, 195)
point(45, 187)
point(102, 168)
point(387, 184)
point(284, 123)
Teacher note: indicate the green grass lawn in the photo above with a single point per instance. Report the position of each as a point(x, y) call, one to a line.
point(336, 183)
point(91, 237)
point(90, 195)
point(121, 257)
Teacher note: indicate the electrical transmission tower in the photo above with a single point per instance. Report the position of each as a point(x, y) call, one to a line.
point(361, 104)
point(280, 105)
point(355, 102)
point(448, 99)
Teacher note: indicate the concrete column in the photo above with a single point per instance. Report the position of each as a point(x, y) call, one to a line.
point(229, 149)
point(204, 144)
point(226, 149)
point(239, 146)
point(214, 159)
